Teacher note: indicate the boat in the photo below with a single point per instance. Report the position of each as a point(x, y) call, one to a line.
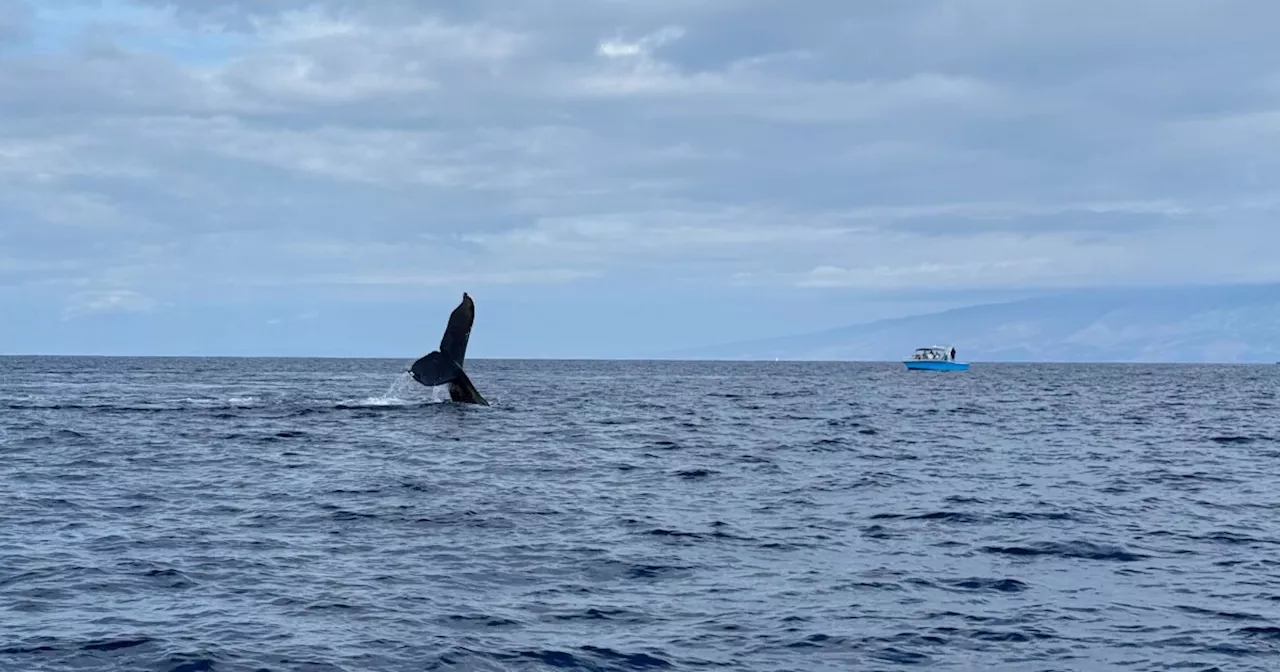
point(934, 358)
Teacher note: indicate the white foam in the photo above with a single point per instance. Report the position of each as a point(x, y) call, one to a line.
point(385, 401)
point(381, 401)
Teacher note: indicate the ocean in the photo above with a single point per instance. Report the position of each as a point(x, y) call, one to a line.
point(326, 515)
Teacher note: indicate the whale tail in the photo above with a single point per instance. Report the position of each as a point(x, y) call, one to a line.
point(444, 366)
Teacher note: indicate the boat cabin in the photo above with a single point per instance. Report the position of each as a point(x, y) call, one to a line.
point(932, 353)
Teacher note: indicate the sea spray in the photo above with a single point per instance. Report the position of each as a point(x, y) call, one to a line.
point(398, 385)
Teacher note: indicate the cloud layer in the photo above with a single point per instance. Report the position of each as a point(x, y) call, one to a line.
point(158, 153)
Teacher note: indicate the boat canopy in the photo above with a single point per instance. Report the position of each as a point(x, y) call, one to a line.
point(932, 352)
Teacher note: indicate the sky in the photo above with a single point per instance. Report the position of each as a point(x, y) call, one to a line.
point(612, 177)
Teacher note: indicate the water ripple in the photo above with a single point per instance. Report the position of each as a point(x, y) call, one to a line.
point(220, 514)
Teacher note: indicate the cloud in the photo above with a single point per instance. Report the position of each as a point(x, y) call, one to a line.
point(930, 274)
point(181, 148)
point(108, 302)
point(641, 48)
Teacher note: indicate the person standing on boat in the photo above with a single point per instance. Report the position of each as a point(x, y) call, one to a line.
point(953, 353)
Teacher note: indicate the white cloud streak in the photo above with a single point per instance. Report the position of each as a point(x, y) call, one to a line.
point(108, 302)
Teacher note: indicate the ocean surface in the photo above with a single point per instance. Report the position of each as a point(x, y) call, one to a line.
point(184, 515)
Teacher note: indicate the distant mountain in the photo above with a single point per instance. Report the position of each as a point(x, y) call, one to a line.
point(1226, 324)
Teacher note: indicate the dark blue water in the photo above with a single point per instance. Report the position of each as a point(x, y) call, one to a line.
point(221, 514)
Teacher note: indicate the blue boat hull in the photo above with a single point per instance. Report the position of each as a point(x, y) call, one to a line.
point(935, 365)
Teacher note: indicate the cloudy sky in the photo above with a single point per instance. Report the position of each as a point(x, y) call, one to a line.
point(612, 177)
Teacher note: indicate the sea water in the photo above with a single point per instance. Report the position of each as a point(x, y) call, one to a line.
point(327, 514)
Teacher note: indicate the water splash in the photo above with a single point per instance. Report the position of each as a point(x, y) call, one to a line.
point(396, 392)
point(402, 391)
point(398, 385)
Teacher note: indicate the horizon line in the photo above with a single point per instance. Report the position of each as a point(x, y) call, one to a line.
point(646, 359)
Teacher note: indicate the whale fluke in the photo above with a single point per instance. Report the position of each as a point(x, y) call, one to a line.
point(444, 366)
